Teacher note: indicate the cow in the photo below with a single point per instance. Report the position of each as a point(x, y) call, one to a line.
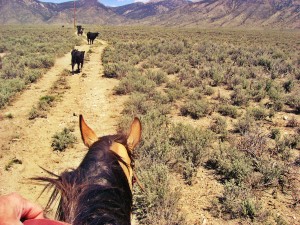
point(79, 30)
point(91, 37)
point(77, 58)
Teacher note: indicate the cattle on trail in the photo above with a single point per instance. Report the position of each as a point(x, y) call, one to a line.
point(91, 37)
point(79, 30)
point(77, 58)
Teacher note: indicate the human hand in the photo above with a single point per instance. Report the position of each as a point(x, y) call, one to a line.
point(14, 209)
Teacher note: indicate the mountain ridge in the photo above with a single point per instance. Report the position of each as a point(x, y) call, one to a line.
point(182, 13)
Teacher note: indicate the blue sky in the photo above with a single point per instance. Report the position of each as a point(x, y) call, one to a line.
point(105, 2)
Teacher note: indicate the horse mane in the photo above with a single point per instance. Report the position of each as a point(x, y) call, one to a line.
point(97, 192)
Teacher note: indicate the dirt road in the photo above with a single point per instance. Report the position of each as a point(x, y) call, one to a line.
point(28, 142)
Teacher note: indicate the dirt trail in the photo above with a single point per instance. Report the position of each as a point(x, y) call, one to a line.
point(30, 140)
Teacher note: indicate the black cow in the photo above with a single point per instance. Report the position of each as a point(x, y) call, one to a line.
point(77, 58)
point(91, 37)
point(79, 30)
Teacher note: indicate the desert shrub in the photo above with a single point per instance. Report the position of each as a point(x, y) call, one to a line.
point(219, 126)
point(45, 102)
point(292, 141)
point(258, 113)
point(217, 76)
point(233, 165)
point(253, 143)
point(155, 144)
point(288, 85)
point(208, 90)
point(33, 76)
point(244, 124)
point(172, 47)
point(35, 113)
point(258, 91)
point(175, 91)
point(8, 88)
point(195, 59)
point(238, 202)
point(273, 172)
point(293, 101)
point(12, 70)
point(235, 80)
point(174, 94)
point(293, 122)
point(195, 109)
point(137, 105)
point(117, 70)
point(157, 76)
point(135, 83)
point(275, 134)
point(190, 78)
point(158, 204)
point(110, 70)
point(240, 97)
point(280, 221)
point(228, 110)
point(170, 68)
point(192, 143)
point(64, 139)
point(42, 107)
point(265, 62)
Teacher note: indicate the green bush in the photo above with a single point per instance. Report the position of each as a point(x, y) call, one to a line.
point(293, 101)
point(275, 134)
point(228, 110)
point(8, 88)
point(195, 109)
point(64, 139)
point(233, 165)
point(219, 126)
point(244, 124)
point(158, 204)
point(237, 201)
point(258, 113)
point(240, 97)
point(135, 83)
point(42, 107)
point(157, 76)
point(192, 143)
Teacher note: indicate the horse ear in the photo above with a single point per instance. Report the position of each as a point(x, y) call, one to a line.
point(135, 133)
point(87, 134)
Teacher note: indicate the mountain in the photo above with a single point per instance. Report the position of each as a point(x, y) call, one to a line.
point(179, 13)
point(233, 13)
point(24, 11)
point(137, 11)
point(35, 12)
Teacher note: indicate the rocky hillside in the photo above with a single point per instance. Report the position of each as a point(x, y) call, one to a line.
point(183, 13)
point(234, 13)
point(34, 11)
point(137, 11)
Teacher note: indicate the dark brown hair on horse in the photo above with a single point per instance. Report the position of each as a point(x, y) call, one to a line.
point(99, 191)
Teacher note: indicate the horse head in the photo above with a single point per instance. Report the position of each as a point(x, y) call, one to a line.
point(99, 190)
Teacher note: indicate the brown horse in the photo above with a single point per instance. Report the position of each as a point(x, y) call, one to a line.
point(99, 191)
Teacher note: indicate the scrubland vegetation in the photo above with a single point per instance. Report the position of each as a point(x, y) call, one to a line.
point(245, 84)
point(27, 53)
point(235, 93)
